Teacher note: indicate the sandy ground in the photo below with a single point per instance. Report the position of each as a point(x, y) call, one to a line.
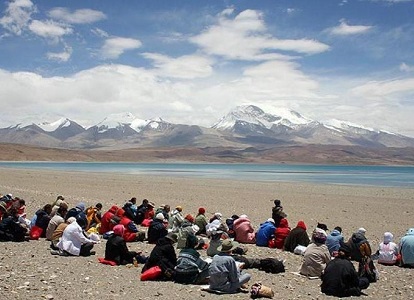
point(29, 271)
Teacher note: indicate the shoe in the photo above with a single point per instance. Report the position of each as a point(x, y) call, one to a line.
point(93, 252)
point(54, 252)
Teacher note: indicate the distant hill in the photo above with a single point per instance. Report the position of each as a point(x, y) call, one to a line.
point(312, 154)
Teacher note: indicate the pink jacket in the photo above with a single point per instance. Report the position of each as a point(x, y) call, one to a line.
point(244, 231)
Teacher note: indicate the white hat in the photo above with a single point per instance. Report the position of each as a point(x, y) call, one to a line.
point(362, 230)
point(160, 216)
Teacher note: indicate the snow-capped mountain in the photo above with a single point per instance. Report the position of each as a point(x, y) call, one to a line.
point(243, 127)
point(254, 115)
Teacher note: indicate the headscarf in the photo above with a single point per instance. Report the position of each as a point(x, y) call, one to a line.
point(302, 225)
point(119, 230)
point(319, 236)
point(388, 236)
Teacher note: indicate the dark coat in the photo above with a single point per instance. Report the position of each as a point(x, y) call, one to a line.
point(340, 279)
point(278, 214)
point(116, 250)
point(163, 255)
point(156, 231)
point(297, 236)
point(11, 230)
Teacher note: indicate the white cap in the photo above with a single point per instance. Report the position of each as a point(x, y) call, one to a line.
point(362, 230)
point(160, 216)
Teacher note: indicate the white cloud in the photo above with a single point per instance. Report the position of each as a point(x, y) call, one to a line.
point(80, 16)
point(245, 38)
point(379, 90)
point(406, 68)
point(99, 32)
point(345, 29)
point(50, 29)
point(116, 46)
point(61, 56)
point(17, 16)
point(185, 67)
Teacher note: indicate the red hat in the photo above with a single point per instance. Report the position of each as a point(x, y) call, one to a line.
point(189, 218)
point(202, 210)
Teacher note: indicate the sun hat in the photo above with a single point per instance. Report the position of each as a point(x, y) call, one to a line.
point(228, 245)
point(172, 237)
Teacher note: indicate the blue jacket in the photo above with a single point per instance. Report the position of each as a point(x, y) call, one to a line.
point(264, 234)
point(333, 241)
point(407, 247)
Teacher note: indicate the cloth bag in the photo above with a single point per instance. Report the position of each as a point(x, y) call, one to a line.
point(258, 290)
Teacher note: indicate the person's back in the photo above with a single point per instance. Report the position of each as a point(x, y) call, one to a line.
point(334, 239)
point(407, 248)
point(163, 254)
point(387, 250)
point(201, 221)
point(316, 255)
point(281, 233)
point(340, 278)
point(297, 236)
point(157, 229)
point(265, 233)
point(243, 230)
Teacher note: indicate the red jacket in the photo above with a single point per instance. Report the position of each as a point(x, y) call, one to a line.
point(106, 224)
point(281, 233)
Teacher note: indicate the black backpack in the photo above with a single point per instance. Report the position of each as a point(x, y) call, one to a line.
point(272, 265)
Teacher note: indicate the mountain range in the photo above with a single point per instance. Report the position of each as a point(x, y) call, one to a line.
point(243, 127)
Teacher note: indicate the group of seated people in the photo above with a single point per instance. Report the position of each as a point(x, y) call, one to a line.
point(326, 255)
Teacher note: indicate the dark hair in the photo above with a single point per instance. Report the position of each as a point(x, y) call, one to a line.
point(338, 228)
point(47, 207)
point(322, 226)
point(98, 205)
point(22, 202)
point(61, 210)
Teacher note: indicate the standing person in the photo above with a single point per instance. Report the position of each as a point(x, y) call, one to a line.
point(297, 236)
point(340, 278)
point(407, 248)
point(388, 250)
point(225, 276)
point(277, 212)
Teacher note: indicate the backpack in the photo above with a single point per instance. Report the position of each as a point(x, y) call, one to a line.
point(271, 265)
point(366, 268)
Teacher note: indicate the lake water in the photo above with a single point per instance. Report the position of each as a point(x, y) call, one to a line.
point(395, 176)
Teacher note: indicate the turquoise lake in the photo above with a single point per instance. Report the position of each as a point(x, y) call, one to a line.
point(393, 176)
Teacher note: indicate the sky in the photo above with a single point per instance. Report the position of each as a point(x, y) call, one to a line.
point(191, 62)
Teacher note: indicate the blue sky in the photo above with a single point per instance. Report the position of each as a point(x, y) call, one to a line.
point(192, 61)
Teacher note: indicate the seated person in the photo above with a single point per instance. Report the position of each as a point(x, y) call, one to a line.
point(407, 248)
point(334, 240)
point(43, 218)
point(281, 233)
point(10, 227)
point(201, 220)
point(74, 211)
point(340, 279)
point(157, 229)
point(225, 276)
point(277, 212)
point(265, 233)
point(57, 219)
point(244, 231)
point(297, 236)
point(191, 268)
point(388, 250)
point(74, 240)
point(116, 248)
point(94, 216)
point(106, 223)
point(316, 255)
point(360, 247)
point(163, 255)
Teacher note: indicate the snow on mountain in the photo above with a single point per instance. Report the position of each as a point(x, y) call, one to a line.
point(345, 126)
point(255, 115)
point(115, 121)
point(49, 127)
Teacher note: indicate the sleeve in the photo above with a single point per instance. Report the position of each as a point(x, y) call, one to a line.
point(233, 271)
point(81, 237)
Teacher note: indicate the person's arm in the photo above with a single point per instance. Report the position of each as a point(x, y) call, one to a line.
point(233, 271)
